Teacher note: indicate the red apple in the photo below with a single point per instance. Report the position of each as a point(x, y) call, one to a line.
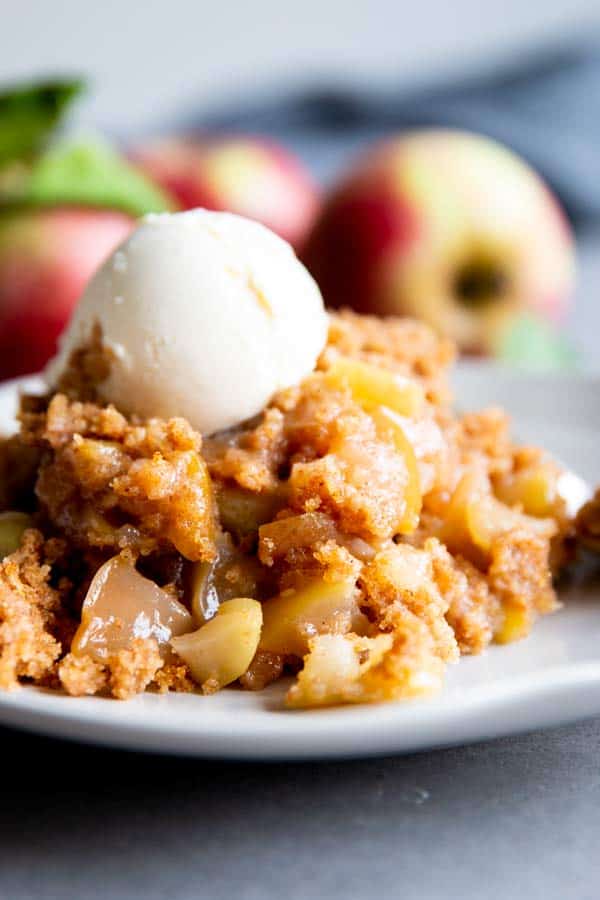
point(449, 227)
point(245, 175)
point(46, 258)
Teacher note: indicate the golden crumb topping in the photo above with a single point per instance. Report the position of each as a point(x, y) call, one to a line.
point(113, 484)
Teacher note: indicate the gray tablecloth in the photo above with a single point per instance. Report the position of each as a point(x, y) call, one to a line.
point(516, 818)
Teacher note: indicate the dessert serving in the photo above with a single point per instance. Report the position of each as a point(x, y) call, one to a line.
point(225, 485)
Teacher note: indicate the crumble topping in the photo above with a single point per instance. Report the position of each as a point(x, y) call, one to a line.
point(112, 483)
point(382, 547)
point(30, 612)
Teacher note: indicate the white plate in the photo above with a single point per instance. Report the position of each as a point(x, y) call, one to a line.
point(551, 678)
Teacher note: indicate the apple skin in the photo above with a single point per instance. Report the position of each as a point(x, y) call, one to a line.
point(246, 175)
point(46, 259)
point(449, 227)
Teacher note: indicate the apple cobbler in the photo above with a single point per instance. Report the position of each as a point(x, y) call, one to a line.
point(357, 535)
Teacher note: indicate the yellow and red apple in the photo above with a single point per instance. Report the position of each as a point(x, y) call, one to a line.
point(450, 227)
point(250, 176)
point(46, 259)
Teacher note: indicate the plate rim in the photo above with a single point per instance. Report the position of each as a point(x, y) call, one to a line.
point(379, 729)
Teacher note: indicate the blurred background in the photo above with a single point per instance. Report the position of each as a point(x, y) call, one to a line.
point(326, 81)
point(151, 62)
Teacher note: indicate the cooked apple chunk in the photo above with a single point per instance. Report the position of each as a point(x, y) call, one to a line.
point(389, 427)
point(221, 650)
point(346, 668)
point(278, 538)
point(287, 536)
point(12, 526)
point(334, 667)
point(230, 574)
point(242, 512)
point(319, 607)
point(372, 386)
point(122, 605)
point(535, 488)
point(475, 517)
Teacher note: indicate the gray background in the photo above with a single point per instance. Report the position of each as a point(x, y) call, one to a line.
point(508, 819)
point(516, 818)
point(150, 58)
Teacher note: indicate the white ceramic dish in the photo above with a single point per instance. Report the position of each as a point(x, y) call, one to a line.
point(553, 677)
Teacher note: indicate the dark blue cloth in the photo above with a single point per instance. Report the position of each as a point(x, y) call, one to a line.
point(547, 109)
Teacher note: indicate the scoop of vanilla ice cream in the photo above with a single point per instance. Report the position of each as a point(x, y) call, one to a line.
point(208, 314)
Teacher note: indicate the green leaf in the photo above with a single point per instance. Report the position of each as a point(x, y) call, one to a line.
point(532, 343)
point(29, 114)
point(87, 173)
